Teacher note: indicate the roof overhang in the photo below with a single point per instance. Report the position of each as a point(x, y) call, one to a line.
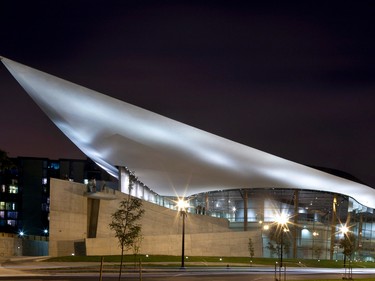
point(170, 157)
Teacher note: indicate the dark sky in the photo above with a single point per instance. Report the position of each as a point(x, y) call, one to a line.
point(294, 80)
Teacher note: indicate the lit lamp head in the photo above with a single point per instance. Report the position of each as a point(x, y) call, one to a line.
point(282, 219)
point(344, 229)
point(182, 205)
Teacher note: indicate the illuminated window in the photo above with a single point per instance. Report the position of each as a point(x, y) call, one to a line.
point(11, 222)
point(2, 214)
point(54, 165)
point(3, 188)
point(45, 207)
point(2, 205)
point(44, 180)
point(9, 206)
point(13, 189)
point(12, 215)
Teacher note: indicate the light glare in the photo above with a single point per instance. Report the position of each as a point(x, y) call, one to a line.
point(182, 205)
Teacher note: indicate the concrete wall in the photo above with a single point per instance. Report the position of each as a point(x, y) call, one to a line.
point(68, 216)
point(10, 245)
point(161, 228)
point(201, 244)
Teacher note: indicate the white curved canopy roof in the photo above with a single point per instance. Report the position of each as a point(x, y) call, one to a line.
point(170, 157)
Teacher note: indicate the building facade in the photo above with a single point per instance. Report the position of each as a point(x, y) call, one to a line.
point(223, 180)
point(25, 191)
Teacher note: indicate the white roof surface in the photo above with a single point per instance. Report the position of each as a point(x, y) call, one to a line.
point(170, 157)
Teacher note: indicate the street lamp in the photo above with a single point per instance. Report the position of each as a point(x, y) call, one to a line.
point(182, 206)
point(315, 234)
point(344, 230)
point(282, 221)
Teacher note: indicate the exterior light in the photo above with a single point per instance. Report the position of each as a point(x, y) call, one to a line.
point(344, 229)
point(182, 207)
point(282, 221)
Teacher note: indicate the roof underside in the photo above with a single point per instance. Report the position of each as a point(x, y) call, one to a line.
point(170, 157)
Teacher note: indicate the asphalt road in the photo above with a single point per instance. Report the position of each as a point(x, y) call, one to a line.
point(34, 269)
point(195, 274)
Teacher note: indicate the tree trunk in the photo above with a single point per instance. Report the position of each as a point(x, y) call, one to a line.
point(122, 257)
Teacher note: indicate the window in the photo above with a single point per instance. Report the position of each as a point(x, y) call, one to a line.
point(54, 165)
point(3, 188)
point(45, 207)
point(13, 189)
point(11, 222)
point(12, 215)
point(2, 205)
point(9, 206)
point(2, 214)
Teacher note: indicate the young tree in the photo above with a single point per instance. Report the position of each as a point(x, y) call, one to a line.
point(348, 245)
point(272, 248)
point(136, 247)
point(125, 222)
point(279, 240)
point(250, 246)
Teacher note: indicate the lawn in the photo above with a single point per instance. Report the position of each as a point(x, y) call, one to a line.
point(213, 261)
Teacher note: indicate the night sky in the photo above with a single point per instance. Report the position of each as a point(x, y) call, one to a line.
point(294, 80)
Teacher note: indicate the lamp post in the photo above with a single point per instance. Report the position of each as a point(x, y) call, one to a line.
point(282, 221)
point(182, 208)
point(344, 230)
point(315, 234)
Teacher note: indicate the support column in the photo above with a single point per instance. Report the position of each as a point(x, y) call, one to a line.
point(245, 199)
point(207, 204)
point(333, 226)
point(295, 223)
point(360, 226)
